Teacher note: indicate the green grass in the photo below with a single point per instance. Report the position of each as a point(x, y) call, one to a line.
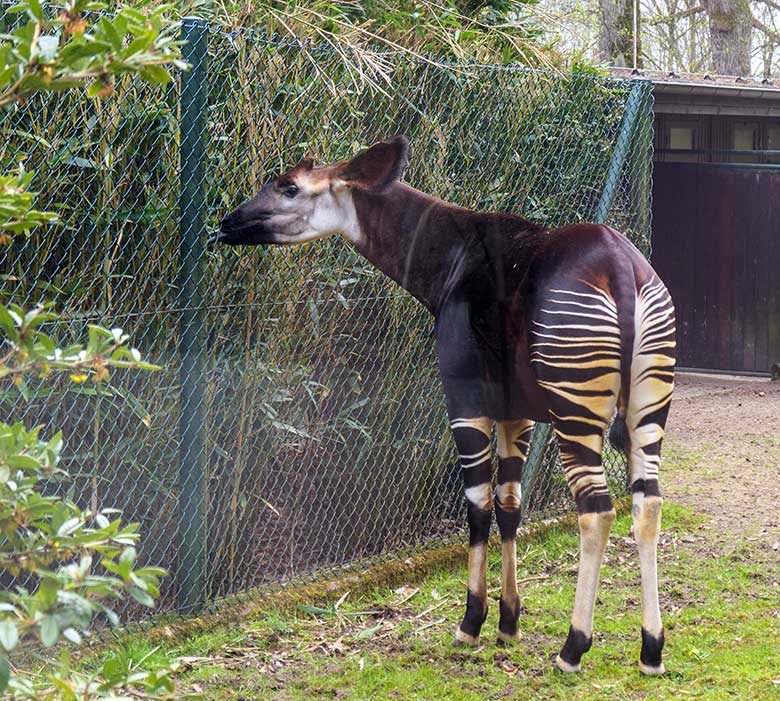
point(722, 617)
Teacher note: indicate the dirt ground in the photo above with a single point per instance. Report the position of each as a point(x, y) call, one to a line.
point(724, 435)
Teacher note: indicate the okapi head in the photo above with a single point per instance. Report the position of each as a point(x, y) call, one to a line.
point(310, 202)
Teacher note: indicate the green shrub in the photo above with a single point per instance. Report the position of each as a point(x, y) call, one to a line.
point(64, 564)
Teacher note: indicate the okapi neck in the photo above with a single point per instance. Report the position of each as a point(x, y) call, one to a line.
point(429, 246)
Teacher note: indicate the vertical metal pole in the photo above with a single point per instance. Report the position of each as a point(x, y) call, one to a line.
point(633, 138)
point(191, 569)
point(641, 173)
point(534, 463)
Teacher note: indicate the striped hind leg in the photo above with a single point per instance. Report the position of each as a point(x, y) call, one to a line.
point(652, 382)
point(514, 439)
point(472, 439)
point(575, 352)
point(595, 515)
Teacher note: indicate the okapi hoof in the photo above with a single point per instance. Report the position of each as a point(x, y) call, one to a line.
point(576, 645)
point(565, 666)
point(464, 639)
point(507, 639)
point(650, 661)
point(652, 671)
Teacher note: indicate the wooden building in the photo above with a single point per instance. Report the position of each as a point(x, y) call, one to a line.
point(716, 218)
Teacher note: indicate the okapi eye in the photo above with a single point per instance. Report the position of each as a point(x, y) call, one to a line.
point(291, 191)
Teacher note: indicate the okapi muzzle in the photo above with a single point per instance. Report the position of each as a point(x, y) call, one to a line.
point(247, 224)
point(567, 326)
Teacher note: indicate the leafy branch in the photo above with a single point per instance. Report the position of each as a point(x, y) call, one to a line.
point(25, 348)
point(81, 560)
point(68, 52)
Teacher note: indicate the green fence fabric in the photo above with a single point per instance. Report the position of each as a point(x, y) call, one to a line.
point(298, 426)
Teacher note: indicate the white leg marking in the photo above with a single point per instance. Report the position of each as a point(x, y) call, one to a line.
point(481, 495)
point(594, 533)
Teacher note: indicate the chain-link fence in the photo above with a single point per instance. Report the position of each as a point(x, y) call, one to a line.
point(298, 425)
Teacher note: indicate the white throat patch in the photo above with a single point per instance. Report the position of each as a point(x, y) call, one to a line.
point(335, 213)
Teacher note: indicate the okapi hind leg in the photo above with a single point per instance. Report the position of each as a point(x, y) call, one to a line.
point(472, 438)
point(595, 516)
point(648, 526)
point(646, 505)
point(652, 382)
point(514, 439)
point(576, 354)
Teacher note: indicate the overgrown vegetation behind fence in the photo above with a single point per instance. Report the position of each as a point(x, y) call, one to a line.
point(298, 424)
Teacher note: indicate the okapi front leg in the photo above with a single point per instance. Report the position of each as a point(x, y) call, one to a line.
point(472, 438)
point(514, 439)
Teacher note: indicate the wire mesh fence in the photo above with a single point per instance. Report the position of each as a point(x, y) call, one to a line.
point(297, 426)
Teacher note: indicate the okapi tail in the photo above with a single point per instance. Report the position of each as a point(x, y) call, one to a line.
point(618, 433)
point(624, 290)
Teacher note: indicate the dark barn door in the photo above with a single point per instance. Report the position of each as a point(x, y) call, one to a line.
point(716, 245)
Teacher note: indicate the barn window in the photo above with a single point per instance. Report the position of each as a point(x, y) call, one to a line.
point(681, 138)
point(773, 143)
point(745, 137)
point(744, 142)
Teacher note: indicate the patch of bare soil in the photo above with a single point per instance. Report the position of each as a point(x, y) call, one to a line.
point(722, 451)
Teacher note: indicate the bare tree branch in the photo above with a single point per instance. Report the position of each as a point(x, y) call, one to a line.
point(771, 33)
point(670, 19)
point(770, 3)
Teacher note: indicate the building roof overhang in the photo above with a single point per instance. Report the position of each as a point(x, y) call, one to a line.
point(710, 95)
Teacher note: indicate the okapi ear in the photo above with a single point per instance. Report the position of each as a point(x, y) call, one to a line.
point(377, 167)
point(305, 165)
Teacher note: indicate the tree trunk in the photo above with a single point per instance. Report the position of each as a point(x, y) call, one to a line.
point(616, 32)
point(731, 26)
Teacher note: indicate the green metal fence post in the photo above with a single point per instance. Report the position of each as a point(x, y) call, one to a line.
point(632, 138)
point(191, 570)
point(631, 116)
point(540, 439)
point(641, 171)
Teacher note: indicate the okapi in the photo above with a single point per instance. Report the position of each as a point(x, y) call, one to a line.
point(567, 326)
